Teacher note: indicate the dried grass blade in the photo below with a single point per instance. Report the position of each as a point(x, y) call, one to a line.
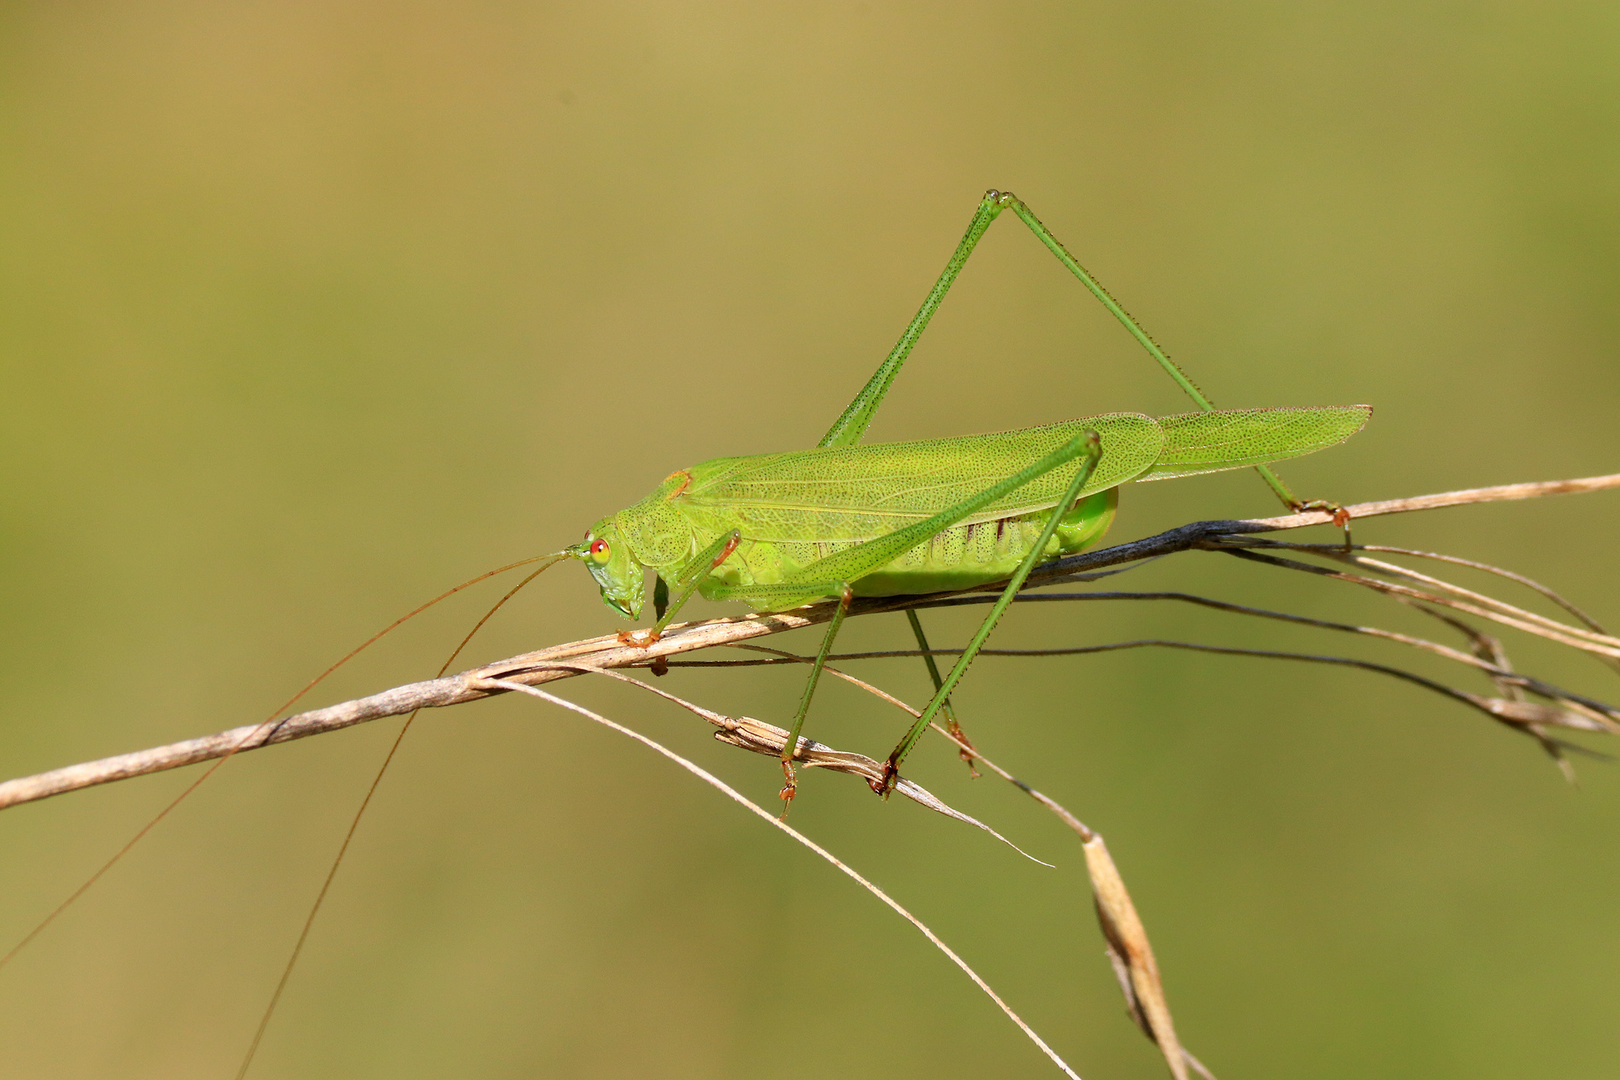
point(738, 797)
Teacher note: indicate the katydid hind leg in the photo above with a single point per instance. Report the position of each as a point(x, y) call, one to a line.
point(1092, 452)
point(851, 425)
point(1134, 328)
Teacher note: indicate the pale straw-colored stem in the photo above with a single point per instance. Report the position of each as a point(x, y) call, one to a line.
point(541, 666)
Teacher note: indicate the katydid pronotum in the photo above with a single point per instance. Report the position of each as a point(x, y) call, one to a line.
point(847, 519)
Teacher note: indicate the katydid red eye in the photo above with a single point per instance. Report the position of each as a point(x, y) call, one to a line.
point(599, 549)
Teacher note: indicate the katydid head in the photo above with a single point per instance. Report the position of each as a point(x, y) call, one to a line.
point(614, 566)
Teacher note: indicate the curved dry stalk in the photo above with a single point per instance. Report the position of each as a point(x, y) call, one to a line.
point(540, 667)
point(1126, 943)
point(1515, 714)
point(1584, 640)
point(1333, 550)
point(1597, 636)
point(749, 734)
point(1491, 662)
point(759, 811)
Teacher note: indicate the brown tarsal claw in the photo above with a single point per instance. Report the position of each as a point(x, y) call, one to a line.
point(965, 751)
point(790, 789)
point(641, 639)
point(1341, 516)
point(885, 784)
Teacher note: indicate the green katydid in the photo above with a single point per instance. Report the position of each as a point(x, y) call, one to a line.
point(845, 519)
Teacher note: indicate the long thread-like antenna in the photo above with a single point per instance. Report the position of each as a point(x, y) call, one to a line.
point(250, 737)
point(343, 848)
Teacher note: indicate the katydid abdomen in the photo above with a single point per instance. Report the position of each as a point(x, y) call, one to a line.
point(958, 557)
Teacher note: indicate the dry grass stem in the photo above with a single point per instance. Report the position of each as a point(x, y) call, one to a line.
point(547, 665)
point(1496, 610)
point(1109, 884)
point(1126, 939)
point(1337, 550)
point(1126, 942)
point(747, 733)
point(759, 811)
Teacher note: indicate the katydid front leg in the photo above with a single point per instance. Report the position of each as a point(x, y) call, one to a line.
point(687, 581)
point(660, 664)
point(846, 595)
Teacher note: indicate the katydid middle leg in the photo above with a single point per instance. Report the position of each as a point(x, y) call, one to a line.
point(952, 725)
point(830, 576)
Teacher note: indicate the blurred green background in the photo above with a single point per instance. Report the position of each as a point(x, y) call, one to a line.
point(310, 310)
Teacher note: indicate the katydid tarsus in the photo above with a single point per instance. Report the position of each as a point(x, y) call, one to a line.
point(846, 519)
